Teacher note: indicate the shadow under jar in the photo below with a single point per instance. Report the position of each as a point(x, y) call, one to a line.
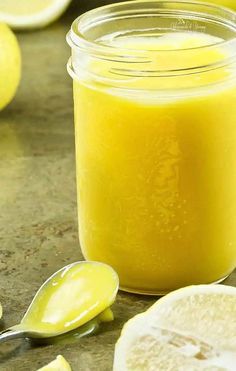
point(155, 130)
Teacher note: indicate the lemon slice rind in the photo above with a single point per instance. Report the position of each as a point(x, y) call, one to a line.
point(42, 18)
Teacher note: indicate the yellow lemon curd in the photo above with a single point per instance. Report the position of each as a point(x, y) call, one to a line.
point(156, 173)
point(71, 298)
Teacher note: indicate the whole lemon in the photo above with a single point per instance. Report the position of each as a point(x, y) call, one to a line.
point(10, 65)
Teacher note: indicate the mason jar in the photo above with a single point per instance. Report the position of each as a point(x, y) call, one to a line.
point(155, 131)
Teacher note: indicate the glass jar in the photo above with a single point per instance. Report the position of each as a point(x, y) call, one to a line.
point(227, 3)
point(155, 130)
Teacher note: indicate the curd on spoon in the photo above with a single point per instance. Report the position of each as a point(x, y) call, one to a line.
point(70, 298)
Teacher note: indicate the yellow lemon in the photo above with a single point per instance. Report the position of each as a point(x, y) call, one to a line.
point(59, 364)
point(191, 329)
point(10, 65)
point(26, 14)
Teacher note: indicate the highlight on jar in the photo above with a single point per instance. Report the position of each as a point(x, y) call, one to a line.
point(227, 3)
point(155, 130)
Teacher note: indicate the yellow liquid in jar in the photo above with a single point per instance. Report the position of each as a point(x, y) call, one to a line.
point(156, 177)
point(227, 3)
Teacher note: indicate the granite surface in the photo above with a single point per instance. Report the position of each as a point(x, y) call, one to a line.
point(38, 222)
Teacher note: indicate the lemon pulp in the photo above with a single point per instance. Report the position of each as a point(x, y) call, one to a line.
point(185, 330)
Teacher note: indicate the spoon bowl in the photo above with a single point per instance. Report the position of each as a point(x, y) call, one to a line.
point(71, 297)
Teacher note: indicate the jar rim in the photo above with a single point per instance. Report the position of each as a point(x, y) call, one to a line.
point(77, 38)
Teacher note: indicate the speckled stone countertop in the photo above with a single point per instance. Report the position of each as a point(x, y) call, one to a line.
point(38, 222)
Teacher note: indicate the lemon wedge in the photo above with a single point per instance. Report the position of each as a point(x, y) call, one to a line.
point(10, 65)
point(25, 14)
point(192, 329)
point(59, 364)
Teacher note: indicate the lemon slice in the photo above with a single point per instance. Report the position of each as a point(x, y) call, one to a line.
point(24, 14)
point(59, 364)
point(193, 328)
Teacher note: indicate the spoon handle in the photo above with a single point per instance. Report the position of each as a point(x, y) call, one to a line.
point(11, 334)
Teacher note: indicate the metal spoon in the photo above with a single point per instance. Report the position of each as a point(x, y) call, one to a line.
point(70, 298)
